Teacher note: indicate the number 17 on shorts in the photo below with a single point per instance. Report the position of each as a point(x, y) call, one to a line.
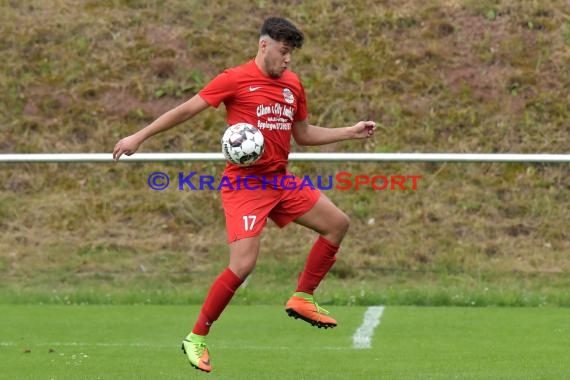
point(249, 222)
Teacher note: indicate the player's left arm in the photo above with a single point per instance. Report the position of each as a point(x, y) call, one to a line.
point(307, 134)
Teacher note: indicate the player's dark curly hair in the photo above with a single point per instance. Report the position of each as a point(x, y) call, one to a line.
point(282, 30)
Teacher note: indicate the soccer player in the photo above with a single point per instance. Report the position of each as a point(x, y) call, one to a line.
point(265, 93)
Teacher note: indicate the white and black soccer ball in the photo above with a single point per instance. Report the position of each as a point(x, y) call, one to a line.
point(242, 144)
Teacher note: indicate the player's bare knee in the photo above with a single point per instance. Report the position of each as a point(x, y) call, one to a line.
point(338, 227)
point(343, 224)
point(242, 270)
point(242, 266)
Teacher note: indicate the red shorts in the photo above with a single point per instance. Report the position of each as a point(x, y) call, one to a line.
point(251, 199)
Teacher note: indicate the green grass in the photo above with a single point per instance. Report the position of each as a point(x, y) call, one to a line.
point(271, 282)
point(261, 342)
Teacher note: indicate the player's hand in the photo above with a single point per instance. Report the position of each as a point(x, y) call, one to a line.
point(127, 145)
point(363, 129)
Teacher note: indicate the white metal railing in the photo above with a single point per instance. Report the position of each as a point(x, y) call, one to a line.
point(355, 157)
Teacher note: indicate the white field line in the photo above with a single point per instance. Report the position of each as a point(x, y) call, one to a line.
point(362, 338)
point(155, 345)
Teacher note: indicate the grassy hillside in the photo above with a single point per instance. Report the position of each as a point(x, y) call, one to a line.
point(438, 76)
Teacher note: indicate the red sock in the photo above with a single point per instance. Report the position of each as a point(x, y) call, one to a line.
point(220, 294)
point(320, 260)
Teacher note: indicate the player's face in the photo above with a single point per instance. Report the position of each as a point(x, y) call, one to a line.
point(277, 58)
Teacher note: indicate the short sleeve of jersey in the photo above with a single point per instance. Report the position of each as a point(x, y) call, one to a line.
point(302, 113)
point(219, 89)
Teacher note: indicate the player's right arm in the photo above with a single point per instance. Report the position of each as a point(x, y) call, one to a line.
point(175, 116)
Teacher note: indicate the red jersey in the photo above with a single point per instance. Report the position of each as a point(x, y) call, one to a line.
point(272, 105)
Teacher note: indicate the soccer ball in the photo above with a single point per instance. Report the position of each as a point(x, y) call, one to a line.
point(242, 144)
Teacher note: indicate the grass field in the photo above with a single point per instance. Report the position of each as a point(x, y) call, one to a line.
point(261, 342)
point(84, 246)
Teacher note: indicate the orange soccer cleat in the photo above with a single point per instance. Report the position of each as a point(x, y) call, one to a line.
point(303, 305)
